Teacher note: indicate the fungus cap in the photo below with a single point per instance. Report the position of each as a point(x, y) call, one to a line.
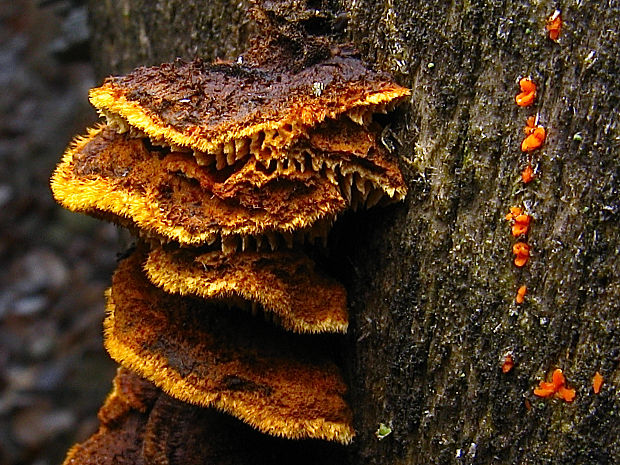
point(122, 418)
point(203, 107)
point(282, 385)
point(283, 282)
point(111, 175)
point(154, 426)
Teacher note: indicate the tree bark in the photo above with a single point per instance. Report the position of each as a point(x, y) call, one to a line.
point(431, 281)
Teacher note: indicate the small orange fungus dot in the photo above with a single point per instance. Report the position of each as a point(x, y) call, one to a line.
point(521, 225)
point(567, 394)
point(521, 295)
point(558, 379)
point(508, 364)
point(530, 125)
point(514, 212)
point(527, 175)
point(522, 253)
point(528, 92)
point(544, 389)
point(597, 382)
point(556, 387)
point(554, 25)
point(534, 140)
point(520, 221)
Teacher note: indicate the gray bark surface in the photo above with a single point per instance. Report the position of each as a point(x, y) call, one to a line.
point(431, 281)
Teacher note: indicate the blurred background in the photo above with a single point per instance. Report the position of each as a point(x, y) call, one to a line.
point(55, 265)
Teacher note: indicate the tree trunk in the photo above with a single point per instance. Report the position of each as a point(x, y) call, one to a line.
point(431, 281)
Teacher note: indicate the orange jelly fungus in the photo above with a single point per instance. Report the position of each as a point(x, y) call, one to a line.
point(557, 387)
point(514, 212)
point(554, 25)
point(508, 364)
point(530, 125)
point(528, 92)
point(521, 225)
point(527, 175)
point(520, 221)
point(522, 253)
point(521, 295)
point(597, 382)
point(534, 140)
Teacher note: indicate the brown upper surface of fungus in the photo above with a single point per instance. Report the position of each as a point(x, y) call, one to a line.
point(204, 107)
point(283, 282)
point(157, 429)
point(117, 177)
point(122, 418)
point(281, 385)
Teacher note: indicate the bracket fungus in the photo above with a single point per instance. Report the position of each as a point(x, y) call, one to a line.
point(223, 171)
point(279, 384)
point(113, 176)
point(122, 420)
point(223, 112)
point(284, 282)
point(197, 153)
point(150, 427)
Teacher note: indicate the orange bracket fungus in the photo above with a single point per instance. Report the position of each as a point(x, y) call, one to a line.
point(556, 387)
point(554, 25)
point(528, 92)
point(284, 283)
point(280, 384)
point(114, 176)
point(223, 171)
point(147, 425)
point(179, 165)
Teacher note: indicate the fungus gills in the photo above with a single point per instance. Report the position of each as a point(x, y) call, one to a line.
point(222, 171)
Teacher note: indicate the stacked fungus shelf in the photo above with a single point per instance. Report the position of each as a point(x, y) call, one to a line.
point(224, 172)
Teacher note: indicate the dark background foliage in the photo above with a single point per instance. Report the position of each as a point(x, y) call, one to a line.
point(54, 265)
